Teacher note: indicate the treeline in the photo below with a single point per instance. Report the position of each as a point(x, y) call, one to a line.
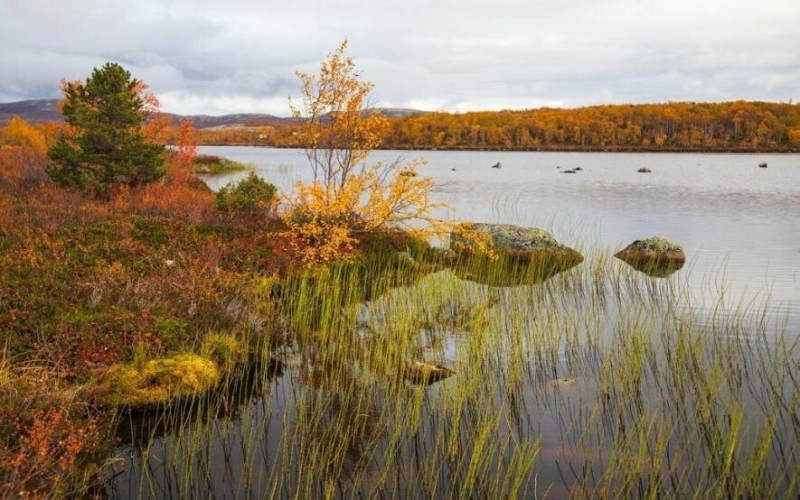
point(681, 126)
point(732, 126)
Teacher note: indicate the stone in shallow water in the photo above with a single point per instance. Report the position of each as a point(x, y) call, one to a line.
point(526, 255)
point(425, 373)
point(657, 256)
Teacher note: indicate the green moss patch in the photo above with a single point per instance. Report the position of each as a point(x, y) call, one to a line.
point(156, 382)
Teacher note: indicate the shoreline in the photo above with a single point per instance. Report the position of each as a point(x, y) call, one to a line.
point(541, 150)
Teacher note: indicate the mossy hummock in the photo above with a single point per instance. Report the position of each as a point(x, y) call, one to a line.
point(158, 381)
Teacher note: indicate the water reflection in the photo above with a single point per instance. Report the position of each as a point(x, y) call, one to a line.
point(509, 271)
point(138, 428)
point(653, 267)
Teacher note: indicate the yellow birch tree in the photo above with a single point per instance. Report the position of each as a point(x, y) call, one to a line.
point(348, 195)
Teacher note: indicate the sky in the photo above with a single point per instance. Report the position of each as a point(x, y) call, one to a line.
point(240, 56)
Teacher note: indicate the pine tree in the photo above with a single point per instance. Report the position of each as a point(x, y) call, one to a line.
point(104, 144)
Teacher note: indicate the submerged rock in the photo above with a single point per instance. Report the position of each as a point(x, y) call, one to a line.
point(425, 373)
point(526, 255)
point(656, 256)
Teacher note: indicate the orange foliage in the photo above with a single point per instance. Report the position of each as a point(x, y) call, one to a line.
point(47, 453)
point(676, 126)
point(23, 152)
point(186, 144)
point(169, 199)
point(158, 128)
point(673, 126)
point(18, 132)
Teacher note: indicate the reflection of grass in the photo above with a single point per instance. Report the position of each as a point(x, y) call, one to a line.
point(600, 368)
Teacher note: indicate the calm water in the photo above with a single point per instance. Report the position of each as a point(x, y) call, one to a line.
point(738, 224)
point(740, 228)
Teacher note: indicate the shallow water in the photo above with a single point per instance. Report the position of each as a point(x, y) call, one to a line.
point(738, 224)
point(592, 375)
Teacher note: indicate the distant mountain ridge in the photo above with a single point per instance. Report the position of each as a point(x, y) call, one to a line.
point(36, 110)
point(40, 110)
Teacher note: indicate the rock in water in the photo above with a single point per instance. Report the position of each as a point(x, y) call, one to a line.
point(497, 165)
point(762, 165)
point(657, 256)
point(425, 373)
point(644, 170)
point(527, 255)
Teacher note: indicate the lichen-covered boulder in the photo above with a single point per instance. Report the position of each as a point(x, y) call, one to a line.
point(508, 239)
point(657, 256)
point(526, 255)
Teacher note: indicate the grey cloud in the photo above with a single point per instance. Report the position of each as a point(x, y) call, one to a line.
point(210, 56)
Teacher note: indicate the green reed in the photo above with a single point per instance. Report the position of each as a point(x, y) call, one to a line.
point(597, 382)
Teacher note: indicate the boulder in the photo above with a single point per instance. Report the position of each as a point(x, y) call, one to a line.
point(644, 170)
point(656, 256)
point(526, 255)
point(497, 165)
point(425, 373)
point(762, 165)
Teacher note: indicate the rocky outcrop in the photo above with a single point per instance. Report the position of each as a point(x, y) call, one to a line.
point(526, 255)
point(656, 256)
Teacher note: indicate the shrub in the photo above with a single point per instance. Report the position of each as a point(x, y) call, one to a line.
point(251, 195)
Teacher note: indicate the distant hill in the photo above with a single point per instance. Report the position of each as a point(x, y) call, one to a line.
point(40, 110)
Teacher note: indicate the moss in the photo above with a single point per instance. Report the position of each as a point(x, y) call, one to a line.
point(656, 243)
point(158, 381)
point(225, 348)
point(507, 237)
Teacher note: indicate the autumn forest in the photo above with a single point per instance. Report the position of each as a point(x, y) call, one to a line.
point(730, 126)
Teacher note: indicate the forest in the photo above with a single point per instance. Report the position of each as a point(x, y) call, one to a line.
point(740, 126)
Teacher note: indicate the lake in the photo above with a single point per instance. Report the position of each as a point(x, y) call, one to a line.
point(600, 382)
point(737, 223)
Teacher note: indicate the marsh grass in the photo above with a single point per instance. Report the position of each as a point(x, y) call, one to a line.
point(599, 382)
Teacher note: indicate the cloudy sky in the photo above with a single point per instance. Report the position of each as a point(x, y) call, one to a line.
point(218, 56)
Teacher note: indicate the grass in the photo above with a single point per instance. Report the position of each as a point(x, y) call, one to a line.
point(561, 388)
point(216, 165)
